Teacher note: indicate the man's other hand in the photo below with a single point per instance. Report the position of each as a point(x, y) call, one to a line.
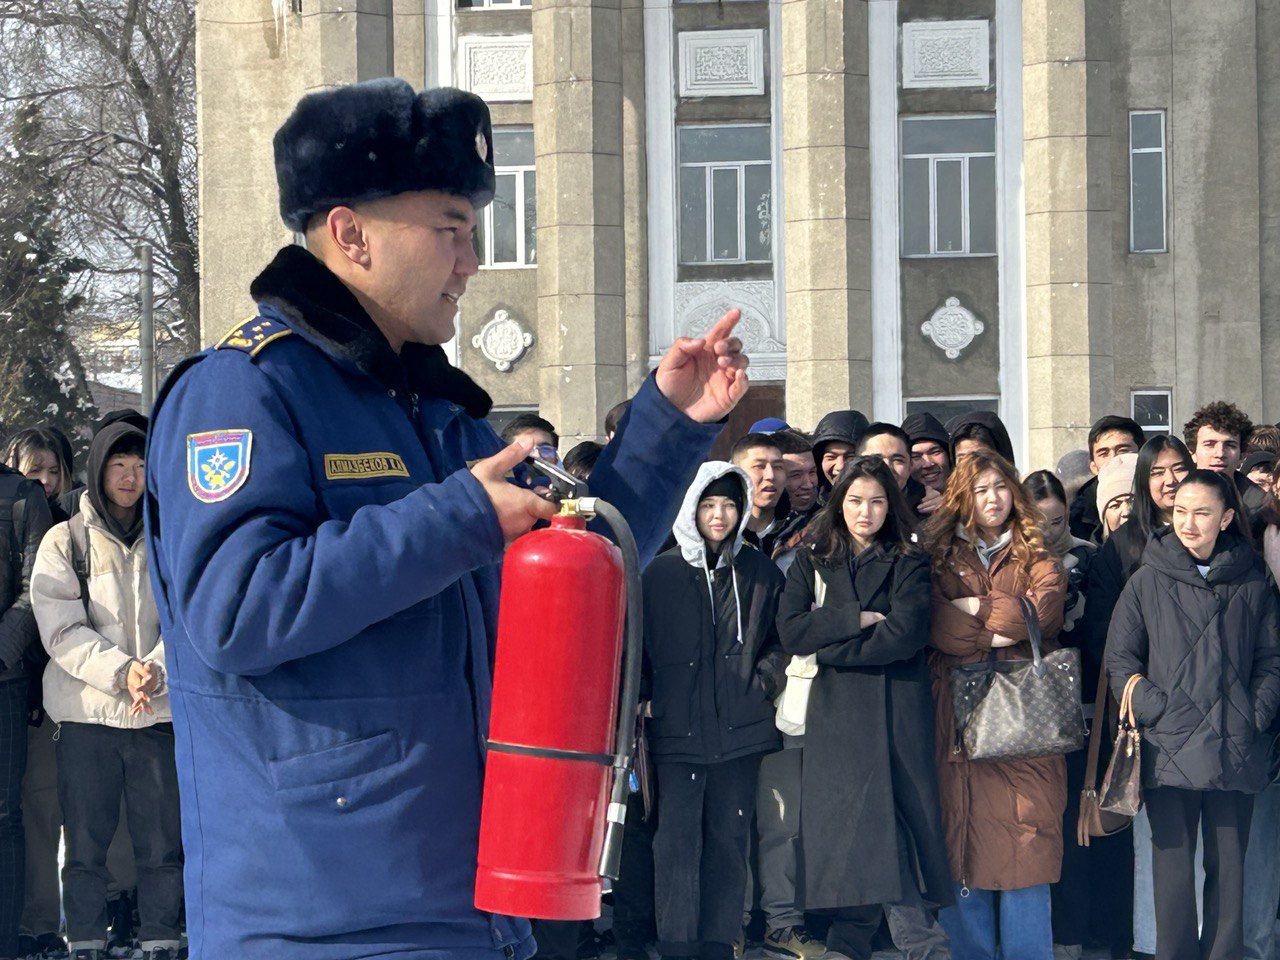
point(706, 377)
point(518, 508)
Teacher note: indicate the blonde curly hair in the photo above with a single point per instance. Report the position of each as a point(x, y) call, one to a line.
point(958, 510)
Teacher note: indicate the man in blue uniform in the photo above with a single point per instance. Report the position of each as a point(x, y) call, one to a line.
point(328, 518)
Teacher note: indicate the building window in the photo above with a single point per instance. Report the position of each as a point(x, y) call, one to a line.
point(507, 230)
point(1152, 410)
point(726, 194)
point(948, 186)
point(947, 408)
point(493, 4)
point(1147, 182)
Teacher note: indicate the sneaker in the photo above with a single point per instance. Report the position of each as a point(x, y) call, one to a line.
point(120, 928)
point(86, 953)
point(792, 943)
point(740, 945)
point(50, 946)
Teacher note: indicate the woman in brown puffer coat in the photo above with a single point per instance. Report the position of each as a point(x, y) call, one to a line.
point(1003, 818)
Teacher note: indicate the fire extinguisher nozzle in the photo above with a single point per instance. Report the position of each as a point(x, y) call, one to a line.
point(611, 855)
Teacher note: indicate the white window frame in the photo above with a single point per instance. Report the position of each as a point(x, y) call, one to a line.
point(486, 255)
point(1164, 179)
point(933, 159)
point(740, 168)
point(1151, 392)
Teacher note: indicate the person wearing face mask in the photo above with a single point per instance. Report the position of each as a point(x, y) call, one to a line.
point(1196, 637)
point(1109, 437)
point(988, 552)
point(869, 727)
point(1074, 902)
point(42, 454)
point(1114, 492)
point(1129, 908)
point(713, 667)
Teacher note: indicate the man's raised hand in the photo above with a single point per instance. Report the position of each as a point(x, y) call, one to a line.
point(518, 509)
point(706, 377)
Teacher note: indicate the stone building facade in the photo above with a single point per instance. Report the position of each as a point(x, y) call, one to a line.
point(1054, 209)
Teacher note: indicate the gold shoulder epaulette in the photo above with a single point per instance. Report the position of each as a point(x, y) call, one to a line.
point(251, 335)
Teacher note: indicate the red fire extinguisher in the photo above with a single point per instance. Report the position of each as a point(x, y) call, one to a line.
point(560, 743)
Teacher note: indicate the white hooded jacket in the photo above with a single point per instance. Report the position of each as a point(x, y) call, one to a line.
point(692, 546)
point(84, 681)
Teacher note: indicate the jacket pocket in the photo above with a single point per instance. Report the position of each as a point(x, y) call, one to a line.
point(747, 702)
point(674, 699)
point(331, 766)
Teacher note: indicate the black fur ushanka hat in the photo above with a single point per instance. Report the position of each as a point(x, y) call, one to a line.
point(379, 138)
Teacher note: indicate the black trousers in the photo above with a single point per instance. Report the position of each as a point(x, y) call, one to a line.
point(96, 765)
point(633, 891)
point(700, 854)
point(13, 851)
point(1094, 899)
point(1175, 816)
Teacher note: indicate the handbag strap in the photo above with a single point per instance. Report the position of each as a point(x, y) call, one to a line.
point(1102, 703)
point(1033, 628)
point(1126, 702)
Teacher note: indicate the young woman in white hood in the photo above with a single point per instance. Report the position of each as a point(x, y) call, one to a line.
point(714, 666)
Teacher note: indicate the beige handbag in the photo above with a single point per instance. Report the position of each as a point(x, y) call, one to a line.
point(793, 702)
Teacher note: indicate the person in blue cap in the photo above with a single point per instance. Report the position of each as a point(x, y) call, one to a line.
point(328, 520)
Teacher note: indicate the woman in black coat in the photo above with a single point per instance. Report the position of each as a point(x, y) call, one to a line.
point(1196, 634)
point(713, 667)
point(870, 826)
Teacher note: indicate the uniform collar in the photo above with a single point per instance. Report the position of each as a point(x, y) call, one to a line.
point(320, 307)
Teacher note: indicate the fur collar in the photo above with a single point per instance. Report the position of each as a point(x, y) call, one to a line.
point(320, 307)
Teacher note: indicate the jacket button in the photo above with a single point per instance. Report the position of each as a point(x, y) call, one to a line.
point(342, 802)
point(691, 663)
point(391, 394)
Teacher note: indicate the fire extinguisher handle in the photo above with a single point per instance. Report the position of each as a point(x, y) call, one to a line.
point(611, 855)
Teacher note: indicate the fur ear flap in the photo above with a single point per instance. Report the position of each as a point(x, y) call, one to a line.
point(376, 139)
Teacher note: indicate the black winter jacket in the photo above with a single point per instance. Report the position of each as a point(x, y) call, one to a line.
point(710, 685)
point(1209, 650)
point(24, 520)
point(1109, 571)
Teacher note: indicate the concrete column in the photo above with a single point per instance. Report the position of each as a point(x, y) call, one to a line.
point(577, 115)
point(1066, 100)
point(635, 212)
point(827, 194)
point(242, 50)
point(1269, 193)
point(347, 41)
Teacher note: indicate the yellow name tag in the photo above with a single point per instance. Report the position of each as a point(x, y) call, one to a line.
point(358, 466)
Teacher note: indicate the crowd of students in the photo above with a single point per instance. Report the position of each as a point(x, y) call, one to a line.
point(853, 568)
point(863, 563)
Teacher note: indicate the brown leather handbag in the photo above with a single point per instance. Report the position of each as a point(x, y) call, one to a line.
point(1122, 786)
point(1093, 821)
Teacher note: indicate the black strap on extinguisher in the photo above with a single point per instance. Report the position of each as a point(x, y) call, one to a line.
point(551, 753)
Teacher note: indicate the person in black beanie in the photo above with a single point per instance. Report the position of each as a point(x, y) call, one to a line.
point(714, 667)
point(930, 450)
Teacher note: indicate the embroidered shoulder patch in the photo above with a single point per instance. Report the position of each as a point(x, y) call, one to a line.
point(218, 463)
point(251, 335)
point(358, 466)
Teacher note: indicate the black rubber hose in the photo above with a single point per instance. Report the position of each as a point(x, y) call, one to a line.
point(611, 855)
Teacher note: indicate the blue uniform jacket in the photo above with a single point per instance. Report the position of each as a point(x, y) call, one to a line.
point(329, 622)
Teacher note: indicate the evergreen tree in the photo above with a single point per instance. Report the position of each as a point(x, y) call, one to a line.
point(41, 377)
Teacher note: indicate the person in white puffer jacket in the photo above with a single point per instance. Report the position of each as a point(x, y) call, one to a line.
point(105, 688)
